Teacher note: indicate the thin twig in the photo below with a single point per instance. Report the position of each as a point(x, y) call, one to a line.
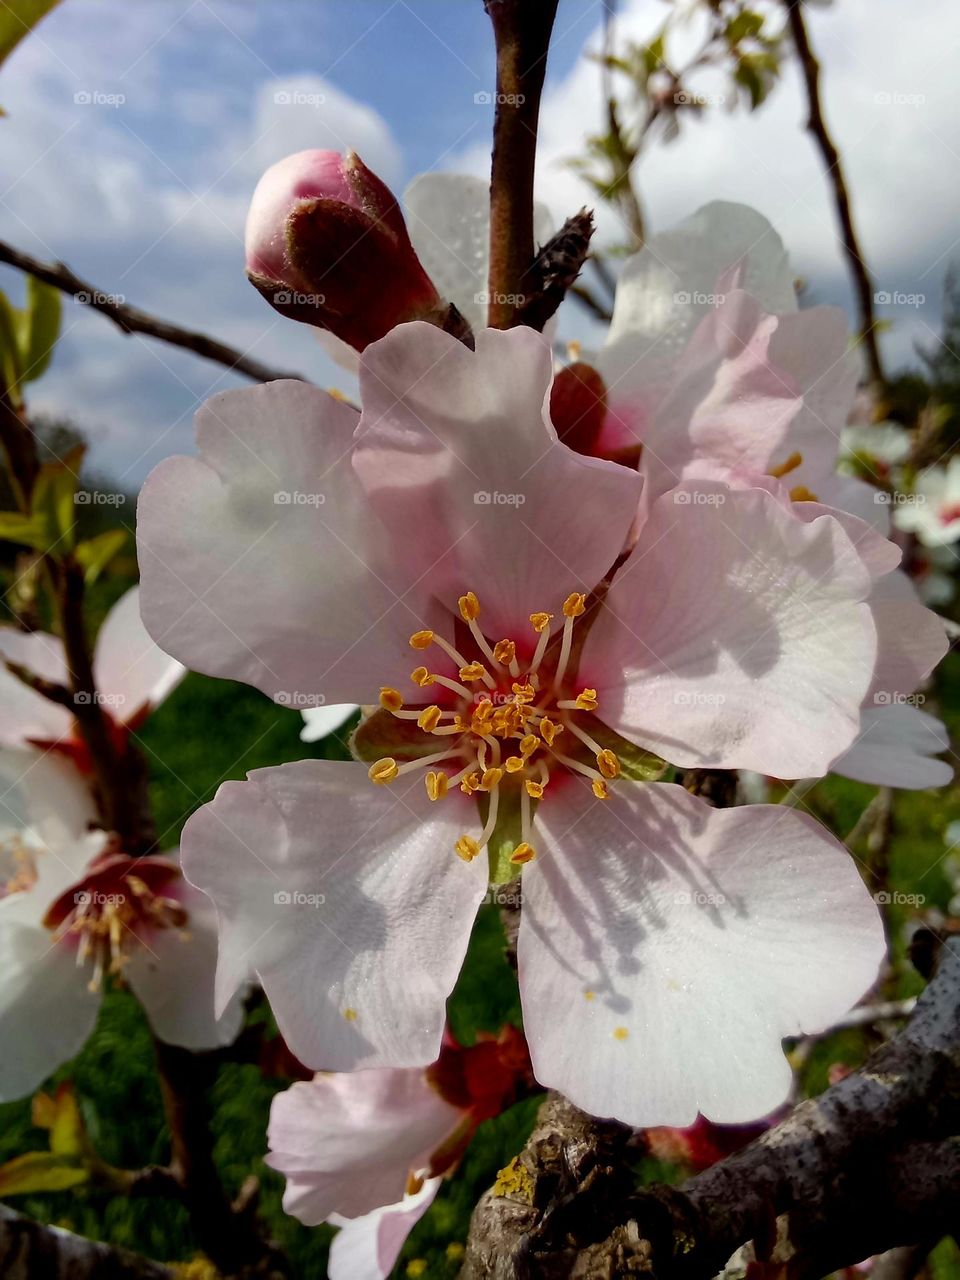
point(817, 126)
point(522, 31)
point(132, 320)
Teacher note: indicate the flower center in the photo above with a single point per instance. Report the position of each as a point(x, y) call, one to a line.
point(508, 725)
point(118, 901)
point(18, 870)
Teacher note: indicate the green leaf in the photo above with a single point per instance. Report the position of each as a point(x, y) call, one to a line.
point(41, 1171)
point(27, 530)
point(96, 553)
point(10, 366)
point(39, 326)
point(17, 19)
point(53, 505)
point(61, 1116)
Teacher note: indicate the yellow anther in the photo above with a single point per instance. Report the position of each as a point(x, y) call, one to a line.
point(795, 460)
point(540, 621)
point(800, 493)
point(429, 718)
point(524, 692)
point(384, 770)
point(534, 789)
point(587, 700)
point(505, 651)
point(473, 672)
point(574, 605)
point(421, 640)
point(390, 699)
point(471, 783)
point(350, 1015)
point(436, 783)
point(414, 1183)
point(522, 854)
point(549, 730)
point(620, 1033)
point(600, 789)
point(513, 764)
point(608, 764)
point(469, 607)
point(490, 779)
point(421, 676)
point(466, 848)
point(460, 724)
point(528, 745)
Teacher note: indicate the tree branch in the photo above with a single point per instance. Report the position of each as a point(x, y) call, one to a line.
point(132, 320)
point(522, 31)
point(31, 1251)
point(870, 1165)
point(817, 127)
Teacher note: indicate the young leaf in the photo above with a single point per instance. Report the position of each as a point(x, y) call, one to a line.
point(96, 553)
point(40, 1171)
point(39, 326)
point(17, 19)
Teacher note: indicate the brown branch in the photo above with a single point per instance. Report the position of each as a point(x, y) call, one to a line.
point(592, 303)
point(521, 31)
point(31, 1251)
point(228, 1236)
point(817, 126)
point(132, 320)
point(870, 1165)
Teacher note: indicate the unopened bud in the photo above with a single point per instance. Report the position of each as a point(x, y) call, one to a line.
point(578, 406)
point(326, 244)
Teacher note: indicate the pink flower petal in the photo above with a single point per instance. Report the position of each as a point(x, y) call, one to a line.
point(128, 666)
point(347, 902)
point(682, 944)
point(896, 748)
point(261, 561)
point(735, 636)
point(461, 463)
point(347, 1143)
point(367, 1248)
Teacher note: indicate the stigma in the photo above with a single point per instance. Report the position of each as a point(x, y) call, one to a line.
point(508, 725)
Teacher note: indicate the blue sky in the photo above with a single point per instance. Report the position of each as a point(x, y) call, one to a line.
point(144, 188)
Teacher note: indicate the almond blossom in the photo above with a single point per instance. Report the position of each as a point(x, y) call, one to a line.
point(367, 1151)
point(757, 395)
point(74, 910)
point(132, 676)
point(932, 510)
point(449, 529)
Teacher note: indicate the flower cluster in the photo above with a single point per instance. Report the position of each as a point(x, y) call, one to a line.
point(540, 637)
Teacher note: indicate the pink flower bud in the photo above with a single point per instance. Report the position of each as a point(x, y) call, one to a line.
point(326, 244)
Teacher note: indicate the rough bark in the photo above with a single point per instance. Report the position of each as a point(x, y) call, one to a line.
point(31, 1251)
point(870, 1165)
